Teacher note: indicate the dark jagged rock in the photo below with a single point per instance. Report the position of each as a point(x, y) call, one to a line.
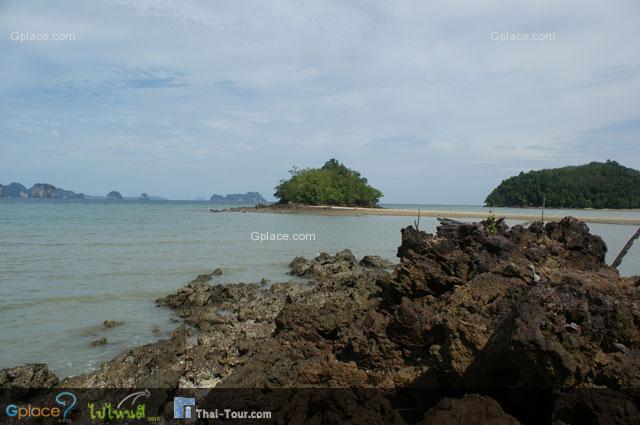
point(98, 342)
point(589, 406)
point(460, 251)
point(342, 266)
point(565, 334)
point(476, 306)
point(249, 198)
point(230, 312)
point(580, 249)
point(462, 309)
point(472, 409)
point(94, 330)
point(494, 324)
point(31, 375)
point(376, 262)
point(108, 324)
point(115, 195)
point(344, 262)
point(154, 365)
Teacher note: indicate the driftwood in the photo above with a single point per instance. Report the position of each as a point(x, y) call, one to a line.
point(625, 249)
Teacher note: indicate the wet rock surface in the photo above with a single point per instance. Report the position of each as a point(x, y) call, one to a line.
point(109, 324)
point(475, 307)
point(98, 342)
point(376, 262)
point(158, 365)
point(32, 375)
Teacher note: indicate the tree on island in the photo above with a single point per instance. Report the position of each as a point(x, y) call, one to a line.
point(332, 184)
point(594, 185)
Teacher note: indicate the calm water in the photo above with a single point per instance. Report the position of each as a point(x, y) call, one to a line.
point(65, 267)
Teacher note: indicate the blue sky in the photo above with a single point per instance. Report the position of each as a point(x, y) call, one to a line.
point(190, 98)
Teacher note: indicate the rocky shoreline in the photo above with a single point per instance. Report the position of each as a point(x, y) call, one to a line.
point(473, 310)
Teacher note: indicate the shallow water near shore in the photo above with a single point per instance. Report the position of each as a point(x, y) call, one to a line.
point(66, 267)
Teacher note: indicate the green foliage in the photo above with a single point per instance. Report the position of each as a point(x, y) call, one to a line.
point(491, 224)
point(594, 185)
point(332, 184)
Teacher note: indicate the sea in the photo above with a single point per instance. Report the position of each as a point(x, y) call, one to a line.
point(68, 266)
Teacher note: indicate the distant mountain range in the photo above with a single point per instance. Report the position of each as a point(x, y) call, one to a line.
point(116, 196)
point(49, 191)
point(38, 190)
point(239, 198)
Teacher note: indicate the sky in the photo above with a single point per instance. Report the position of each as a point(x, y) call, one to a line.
point(190, 98)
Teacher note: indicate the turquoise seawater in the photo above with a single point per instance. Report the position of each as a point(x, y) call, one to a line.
point(65, 267)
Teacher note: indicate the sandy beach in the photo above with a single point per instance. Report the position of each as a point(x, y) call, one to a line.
point(356, 211)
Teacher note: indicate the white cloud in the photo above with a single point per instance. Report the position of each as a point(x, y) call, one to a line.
point(416, 94)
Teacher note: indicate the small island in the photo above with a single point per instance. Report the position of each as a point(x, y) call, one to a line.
point(594, 185)
point(249, 198)
point(115, 195)
point(333, 184)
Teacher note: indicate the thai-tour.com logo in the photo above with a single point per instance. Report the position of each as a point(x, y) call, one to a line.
point(65, 402)
point(182, 407)
point(185, 408)
point(130, 407)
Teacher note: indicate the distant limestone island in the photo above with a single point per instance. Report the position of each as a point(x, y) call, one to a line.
point(49, 191)
point(38, 190)
point(249, 198)
point(114, 195)
point(594, 185)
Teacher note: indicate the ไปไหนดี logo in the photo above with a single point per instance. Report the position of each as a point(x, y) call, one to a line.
point(128, 408)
